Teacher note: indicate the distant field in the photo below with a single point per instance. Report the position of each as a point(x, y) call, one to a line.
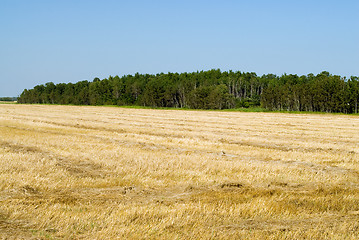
point(7, 102)
point(117, 173)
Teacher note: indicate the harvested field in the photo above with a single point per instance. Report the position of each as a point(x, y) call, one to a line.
point(70, 172)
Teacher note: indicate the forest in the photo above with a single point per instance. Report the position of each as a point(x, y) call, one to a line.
point(212, 89)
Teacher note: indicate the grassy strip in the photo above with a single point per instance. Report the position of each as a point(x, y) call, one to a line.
point(8, 102)
point(250, 109)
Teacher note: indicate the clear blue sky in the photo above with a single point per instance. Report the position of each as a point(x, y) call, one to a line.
point(74, 40)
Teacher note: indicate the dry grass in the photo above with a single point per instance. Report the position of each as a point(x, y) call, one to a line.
point(112, 173)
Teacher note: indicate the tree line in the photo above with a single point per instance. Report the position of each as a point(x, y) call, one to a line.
point(321, 93)
point(211, 89)
point(8, 99)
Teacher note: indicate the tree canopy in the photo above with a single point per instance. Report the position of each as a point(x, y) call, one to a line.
point(211, 89)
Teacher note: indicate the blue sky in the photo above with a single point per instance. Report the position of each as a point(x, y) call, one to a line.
point(74, 40)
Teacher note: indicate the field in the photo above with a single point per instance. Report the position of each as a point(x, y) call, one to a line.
point(70, 172)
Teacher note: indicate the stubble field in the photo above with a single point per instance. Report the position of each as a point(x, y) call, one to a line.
point(71, 172)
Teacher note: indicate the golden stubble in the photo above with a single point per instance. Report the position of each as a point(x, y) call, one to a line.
point(104, 173)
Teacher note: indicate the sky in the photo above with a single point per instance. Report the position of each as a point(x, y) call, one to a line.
point(73, 40)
